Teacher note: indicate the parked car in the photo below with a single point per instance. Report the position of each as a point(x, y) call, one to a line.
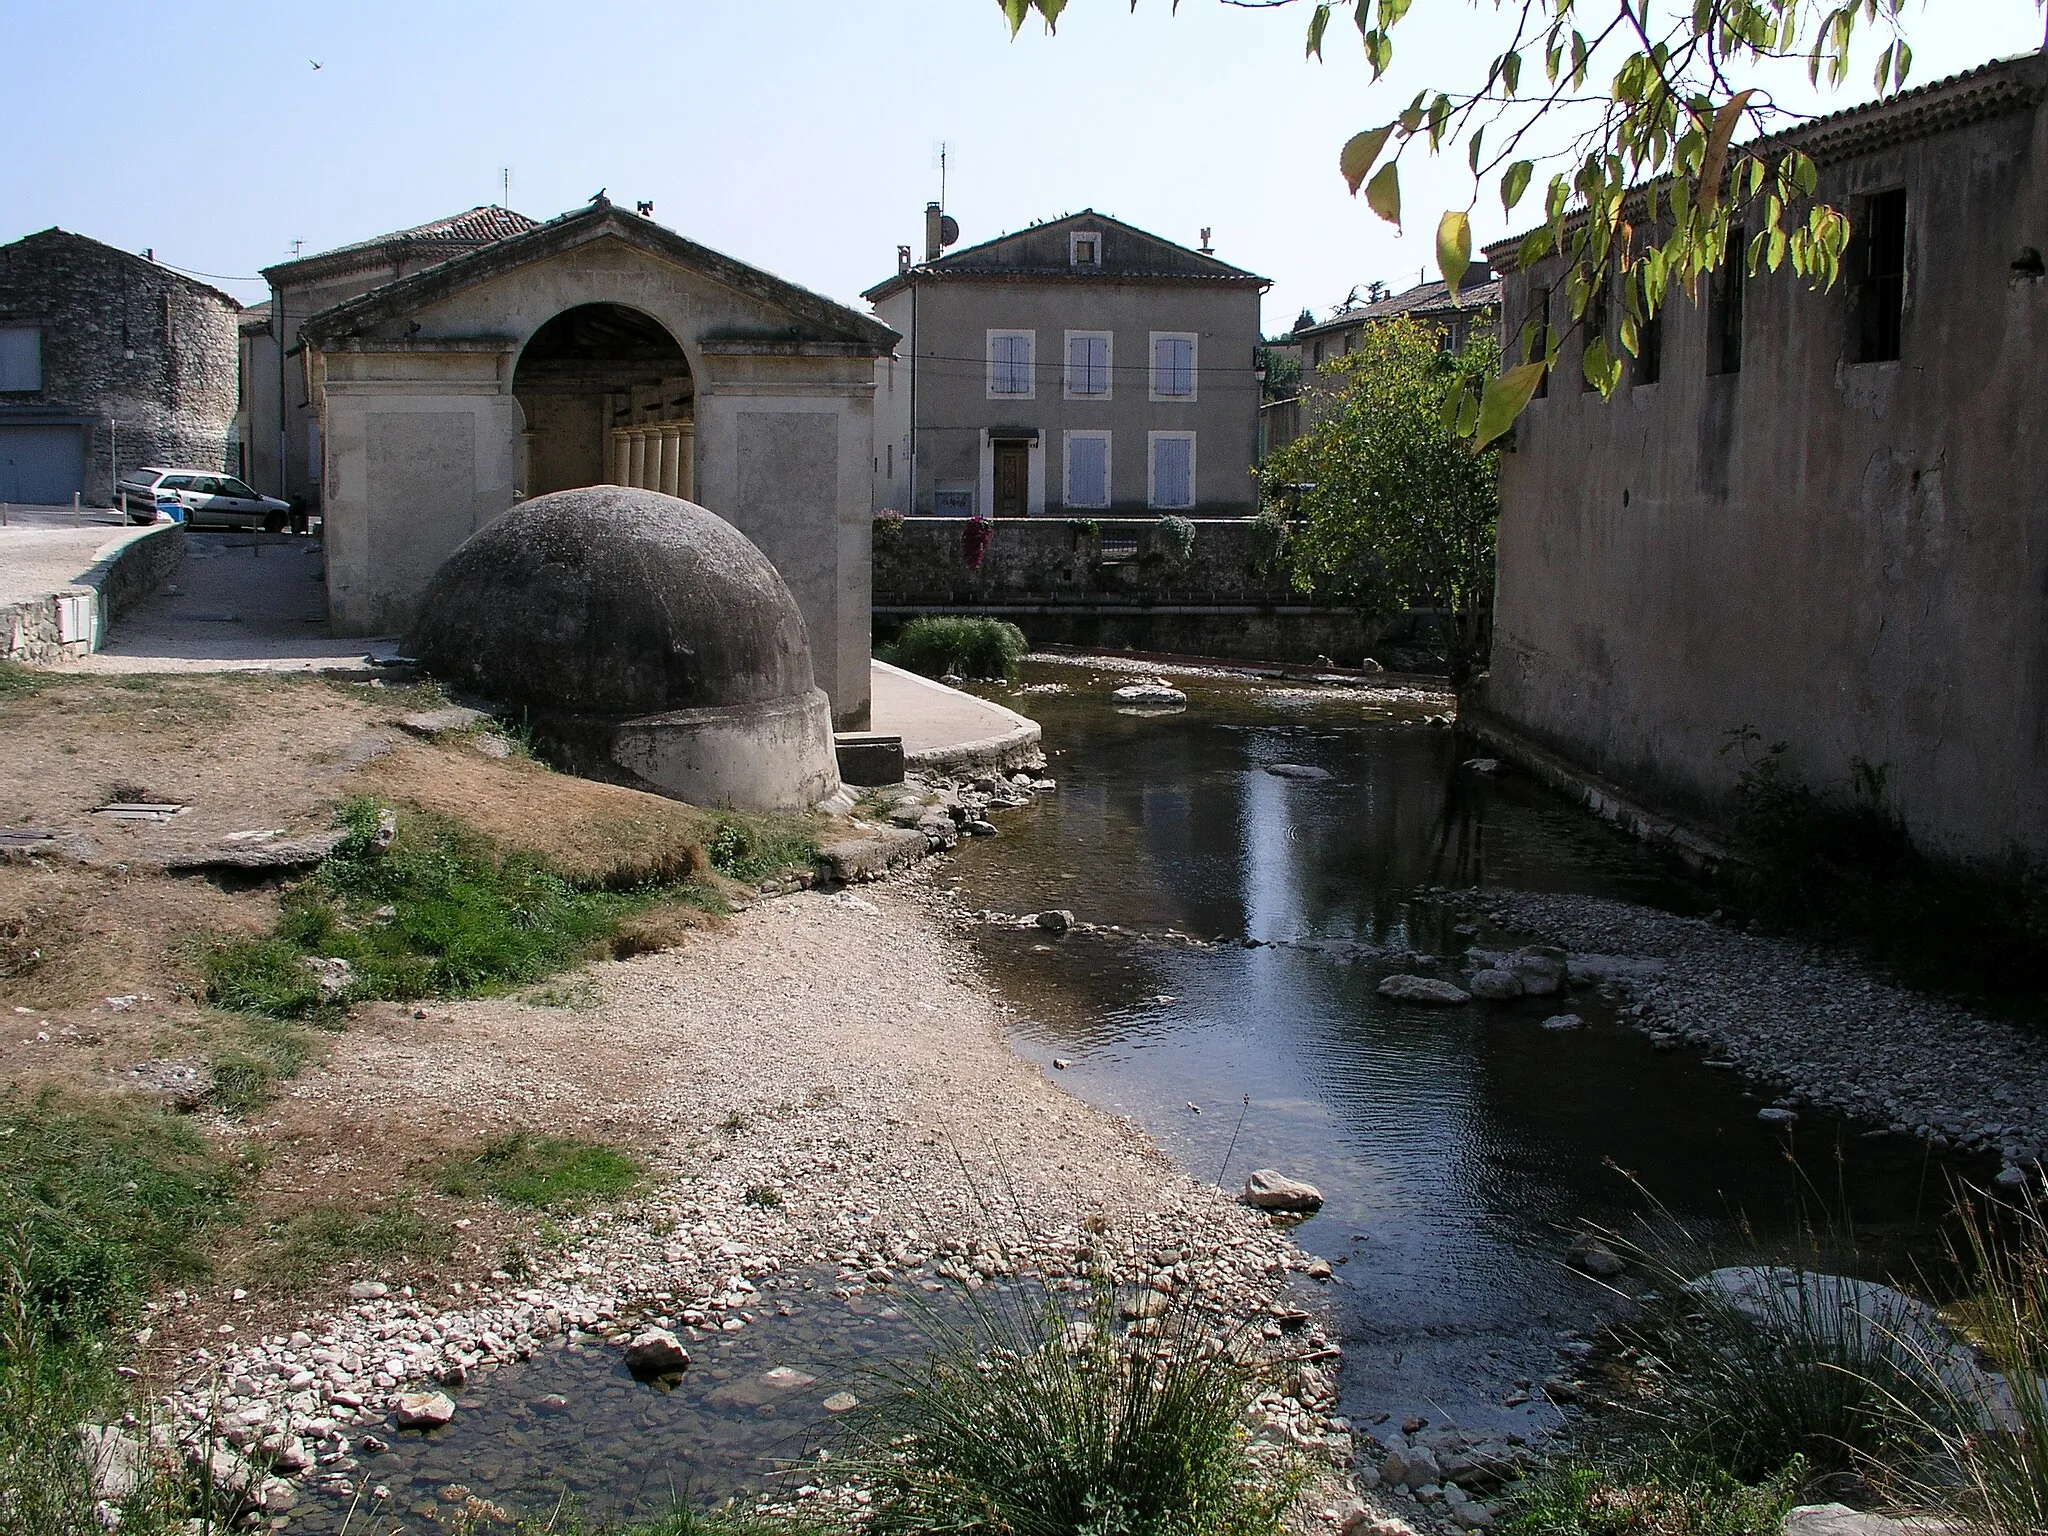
point(200, 498)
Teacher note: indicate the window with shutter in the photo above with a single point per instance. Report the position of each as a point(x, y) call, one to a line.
point(1088, 365)
point(1009, 364)
point(21, 359)
point(1172, 471)
point(1087, 469)
point(1173, 365)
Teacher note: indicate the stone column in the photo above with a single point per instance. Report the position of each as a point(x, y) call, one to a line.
point(686, 461)
point(622, 458)
point(636, 462)
point(671, 458)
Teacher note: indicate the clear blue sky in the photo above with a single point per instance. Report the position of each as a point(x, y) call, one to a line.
point(794, 134)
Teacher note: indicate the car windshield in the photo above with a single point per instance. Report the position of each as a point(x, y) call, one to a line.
point(236, 488)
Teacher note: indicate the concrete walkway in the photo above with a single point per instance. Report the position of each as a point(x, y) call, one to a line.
point(47, 549)
point(240, 602)
point(943, 728)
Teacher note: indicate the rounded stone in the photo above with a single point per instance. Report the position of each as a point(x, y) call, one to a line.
point(647, 641)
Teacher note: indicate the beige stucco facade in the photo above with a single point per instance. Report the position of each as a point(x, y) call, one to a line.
point(940, 420)
point(1842, 552)
point(419, 392)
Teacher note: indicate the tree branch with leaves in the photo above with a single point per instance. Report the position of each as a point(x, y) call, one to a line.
point(1649, 182)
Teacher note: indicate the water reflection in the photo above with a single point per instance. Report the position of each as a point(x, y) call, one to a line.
point(1456, 1147)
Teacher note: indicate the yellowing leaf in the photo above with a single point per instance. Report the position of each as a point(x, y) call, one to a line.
point(1453, 249)
point(1360, 152)
point(1514, 183)
point(1504, 400)
point(1383, 192)
point(1715, 160)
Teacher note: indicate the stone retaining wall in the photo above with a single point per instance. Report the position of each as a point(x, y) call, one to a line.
point(65, 625)
point(1114, 584)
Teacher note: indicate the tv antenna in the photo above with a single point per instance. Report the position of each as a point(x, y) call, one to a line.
point(942, 151)
point(504, 186)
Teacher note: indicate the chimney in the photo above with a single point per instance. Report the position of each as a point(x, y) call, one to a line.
point(902, 258)
point(934, 242)
point(1207, 248)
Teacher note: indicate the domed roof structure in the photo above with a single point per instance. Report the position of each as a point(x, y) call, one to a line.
point(645, 640)
point(607, 601)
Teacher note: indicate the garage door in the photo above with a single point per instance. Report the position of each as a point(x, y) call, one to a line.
point(41, 465)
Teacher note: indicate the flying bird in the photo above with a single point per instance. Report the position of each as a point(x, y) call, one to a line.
point(315, 63)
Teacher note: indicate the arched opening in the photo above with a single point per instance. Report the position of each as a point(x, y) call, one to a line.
point(609, 400)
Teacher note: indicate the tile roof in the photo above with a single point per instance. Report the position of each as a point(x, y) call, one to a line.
point(1430, 298)
point(466, 231)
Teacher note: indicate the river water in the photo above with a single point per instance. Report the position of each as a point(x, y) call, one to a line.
point(1458, 1148)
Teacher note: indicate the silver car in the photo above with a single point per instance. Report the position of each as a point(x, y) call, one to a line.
point(199, 499)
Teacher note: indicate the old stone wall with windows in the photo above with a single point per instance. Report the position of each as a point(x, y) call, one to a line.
point(1816, 516)
point(108, 362)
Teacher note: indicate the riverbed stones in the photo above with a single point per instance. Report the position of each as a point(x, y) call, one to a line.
point(1540, 968)
point(1838, 1520)
point(1271, 1190)
point(656, 1352)
point(840, 1402)
point(1775, 1114)
point(423, 1410)
point(1410, 1467)
point(1495, 986)
point(1058, 920)
point(1305, 772)
point(1563, 1021)
point(1153, 693)
point(1592, 1256)
point(1407, 988)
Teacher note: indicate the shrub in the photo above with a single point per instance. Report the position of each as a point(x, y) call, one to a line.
point(547, 1172)
point(974, 540)
point(1648, 1499)
point(980, 648)
point(1173, 539)
point(753, 847)
point(1038, 1419)
point(888, 523)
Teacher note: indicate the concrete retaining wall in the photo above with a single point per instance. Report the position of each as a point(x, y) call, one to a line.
point(65, 625)
point(1114, 584)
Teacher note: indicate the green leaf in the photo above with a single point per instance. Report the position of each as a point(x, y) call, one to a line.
point(1383, 192)
point(1318, 23)
point(1361, 151)
point(1511, 71)
point(1514, 183)
point(1504, 400)
point(1050, 10)
point(1453, 248)
point(1015, 11)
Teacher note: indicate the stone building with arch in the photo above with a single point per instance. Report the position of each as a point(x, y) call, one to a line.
point(598, 348)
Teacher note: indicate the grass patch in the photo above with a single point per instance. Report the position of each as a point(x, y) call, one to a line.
point(1036, 1418)
point(1652, 1497)
point(766, 1196)
point(751, 848)
point(978, 648)
point(546, 1172)
point(261, 1053)
point(439, 912)
point(17, 681)
point(308, 1245)
point(1842, 865)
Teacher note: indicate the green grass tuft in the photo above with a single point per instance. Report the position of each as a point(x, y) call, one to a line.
point(1037, 1418)
point(441, 912)
point(751, 848)
point(310, 1244)
point(547, 1172)
point(1649, 1499)
point(979, 648)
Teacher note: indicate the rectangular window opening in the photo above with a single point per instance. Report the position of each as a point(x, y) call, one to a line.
point(1172, 471)
point(1088, 365)
point(1596, 330)
point(21, 359)
point(1009, 364)
point(1084, 248)
point(1537, 330)
point(1880, 278)
point(1650, 350)
point(1724, 307)
point(1087, 469)
point(1173, 366)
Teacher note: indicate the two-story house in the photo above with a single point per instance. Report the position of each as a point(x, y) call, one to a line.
point(1078, 367)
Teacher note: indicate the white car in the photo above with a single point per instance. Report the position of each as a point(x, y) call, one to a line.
point(200, 498)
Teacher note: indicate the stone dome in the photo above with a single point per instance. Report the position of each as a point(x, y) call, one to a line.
point(609, 602)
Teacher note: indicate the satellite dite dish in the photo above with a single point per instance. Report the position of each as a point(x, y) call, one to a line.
point(949, 229)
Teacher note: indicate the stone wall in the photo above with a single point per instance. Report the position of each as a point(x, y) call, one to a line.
point(63, 626)
point(1846, 554)
point(1113, 585)
point(143, 358)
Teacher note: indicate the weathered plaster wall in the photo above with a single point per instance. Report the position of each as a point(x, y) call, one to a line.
point(1850, 558)
point(783, 438)
point(68, 624)
point(140, 357)
point(1067, 585)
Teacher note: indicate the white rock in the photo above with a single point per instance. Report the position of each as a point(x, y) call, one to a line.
point(368, 1290)
point(1271, 1190)
point(1837, 1520)
point(424, 1410)
point(840, 1402)
point(113, 1458)
point(1153, 694)
point(657, 1352)
point(1422, 989)
point(1775, 1115)
point(1588, 1253)
point(1563, 1021)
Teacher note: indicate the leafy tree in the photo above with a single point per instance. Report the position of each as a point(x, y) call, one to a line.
point(1304, 320)
point(1283, 370)
point(1644, 194)
point(1396, 510)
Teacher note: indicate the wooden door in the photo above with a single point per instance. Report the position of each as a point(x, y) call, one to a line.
point(1013, 479)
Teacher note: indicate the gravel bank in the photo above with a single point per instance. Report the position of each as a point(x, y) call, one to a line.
point(1816, 1024)
point(840, 1051)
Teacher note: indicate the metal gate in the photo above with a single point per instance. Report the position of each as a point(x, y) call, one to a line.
point(41, 465)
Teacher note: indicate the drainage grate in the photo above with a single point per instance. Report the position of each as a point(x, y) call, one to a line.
point(141, 810)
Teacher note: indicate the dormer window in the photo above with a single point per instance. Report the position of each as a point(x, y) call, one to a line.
point(1084, 248)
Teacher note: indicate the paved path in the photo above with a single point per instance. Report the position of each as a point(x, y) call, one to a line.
point(46, 549)
point(942, 727)
point(240, 602)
